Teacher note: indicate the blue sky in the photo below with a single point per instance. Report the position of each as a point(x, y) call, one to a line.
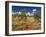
point(28, 9)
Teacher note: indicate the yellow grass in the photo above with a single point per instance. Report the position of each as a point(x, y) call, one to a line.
point(21, 25)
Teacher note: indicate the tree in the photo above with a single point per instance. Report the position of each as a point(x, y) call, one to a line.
point(23, 14)
point(37, 16)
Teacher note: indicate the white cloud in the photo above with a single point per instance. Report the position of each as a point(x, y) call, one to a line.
point(19, 12)
point(13, 13)
point(30, 14)
point(34, 10)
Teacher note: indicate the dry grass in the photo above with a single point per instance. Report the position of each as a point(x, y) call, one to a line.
point(30, 24)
